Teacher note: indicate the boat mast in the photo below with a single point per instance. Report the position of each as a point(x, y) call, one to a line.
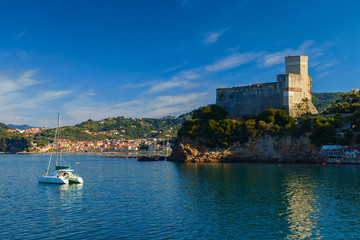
point(57, 136)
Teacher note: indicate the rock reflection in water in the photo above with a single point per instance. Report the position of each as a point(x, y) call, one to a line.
point(302, 208)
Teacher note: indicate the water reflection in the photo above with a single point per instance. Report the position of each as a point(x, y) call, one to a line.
point(70, 187)
point(302, 207)
point(58, 201)
point(61, 195)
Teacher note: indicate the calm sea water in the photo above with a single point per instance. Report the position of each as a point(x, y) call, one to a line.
point(126, 199)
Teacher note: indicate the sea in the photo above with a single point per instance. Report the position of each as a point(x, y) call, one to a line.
point(127, 199)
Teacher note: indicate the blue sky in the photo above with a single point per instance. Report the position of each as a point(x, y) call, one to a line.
point(140, 58)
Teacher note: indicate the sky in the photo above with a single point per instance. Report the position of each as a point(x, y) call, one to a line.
point(140, 58)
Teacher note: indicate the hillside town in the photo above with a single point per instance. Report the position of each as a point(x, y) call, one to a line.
point(28, 132)
point(107, 145)
point(151, 144)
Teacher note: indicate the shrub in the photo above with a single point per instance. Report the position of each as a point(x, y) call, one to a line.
point(206, 113)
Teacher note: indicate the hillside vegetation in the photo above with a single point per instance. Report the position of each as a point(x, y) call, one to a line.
point(12, 142)
point(118, 128)
point(349, 103)
point(324, 100)
point(210, 126)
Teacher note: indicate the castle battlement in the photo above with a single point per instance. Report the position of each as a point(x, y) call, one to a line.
point(292, 91)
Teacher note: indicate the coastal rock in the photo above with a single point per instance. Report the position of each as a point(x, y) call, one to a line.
point(196, 153)
point(261, 149)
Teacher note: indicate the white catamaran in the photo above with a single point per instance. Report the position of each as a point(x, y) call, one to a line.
point(62, 173)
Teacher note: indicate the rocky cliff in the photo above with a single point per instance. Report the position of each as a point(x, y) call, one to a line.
point(267, 148)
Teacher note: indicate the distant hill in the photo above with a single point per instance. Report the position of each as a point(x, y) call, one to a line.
point(21, 127)
point(12, 142)
point(4, 126)
point(119, 128)
point(324, 100)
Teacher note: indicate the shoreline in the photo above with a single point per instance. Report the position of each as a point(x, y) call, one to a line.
point(105, 154)
point(227, 161)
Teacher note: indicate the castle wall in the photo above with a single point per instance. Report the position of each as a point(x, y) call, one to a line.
point(292, 91)
point(252, 99)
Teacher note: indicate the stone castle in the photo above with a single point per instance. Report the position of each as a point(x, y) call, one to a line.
point(291, 92)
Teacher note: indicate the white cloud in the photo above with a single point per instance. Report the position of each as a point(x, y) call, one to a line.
point(85, 107)
point(305, 46)
point(21, 34)
point(170, 100)
point(174, 83)
point(22, 100)
point(323, 74)
point(184, 2)
point(174, 105)
point(189, 79)
point(189, 74)
point(174, 67)
point(186, 79)
point(325, 66)
point(212, 37)
point(50, 95)
point(9, 85)
point(278, 57)
point(25, 55)
point(233, 49)
point(140, 85)
point(27, 78)
point(231, 61)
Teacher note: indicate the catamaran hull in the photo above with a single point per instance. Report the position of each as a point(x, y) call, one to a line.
point(53, 180)
point(75, 180)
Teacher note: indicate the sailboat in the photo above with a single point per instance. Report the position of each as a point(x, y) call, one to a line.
point(62, 174)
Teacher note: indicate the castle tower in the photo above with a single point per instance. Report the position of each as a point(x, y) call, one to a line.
point(292, 91)
point(296, 86)
point(296, 65)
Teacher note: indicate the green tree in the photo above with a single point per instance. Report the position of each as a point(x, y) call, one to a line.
point(3, 145)
point(206, 113)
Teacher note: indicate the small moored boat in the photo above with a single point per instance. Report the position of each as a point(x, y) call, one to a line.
point(63, 174)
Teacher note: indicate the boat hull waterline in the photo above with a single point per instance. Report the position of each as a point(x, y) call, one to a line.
point(52, 179)
point(63, 176)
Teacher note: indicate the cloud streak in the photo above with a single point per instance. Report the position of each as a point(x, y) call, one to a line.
point(306, 48)
point(174, 83)
point(51, 95)
point(25, 55)
point(21, 34)
point(174, 67)
point(232, 61)
point(10, 85)
point(213, 37)
point(23, 100)
point(278, 57)
point(183, 3)
point(322, 67)
point(84, 107)
point(186, 79)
